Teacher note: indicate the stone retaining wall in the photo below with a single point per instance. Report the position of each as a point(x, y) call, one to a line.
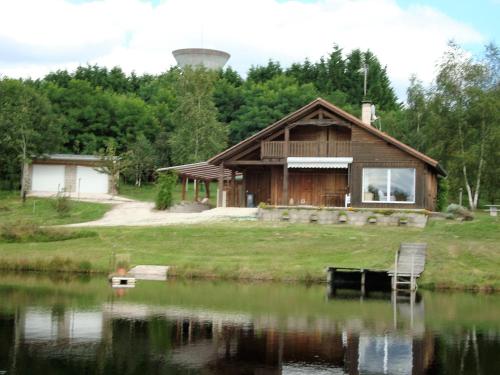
point(410, 218)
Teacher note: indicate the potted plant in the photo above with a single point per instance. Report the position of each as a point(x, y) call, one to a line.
point(122, 267)
point(403, 220)
point(285, 216)
point(342, 217)
point(372, 219)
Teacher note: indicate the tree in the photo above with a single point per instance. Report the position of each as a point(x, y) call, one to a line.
point(267, 102)
point(27, 127)
point(140, 159)
point(111, 164)
point(197, 134)
point(466, 98)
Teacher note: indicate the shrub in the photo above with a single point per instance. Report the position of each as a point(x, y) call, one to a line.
point(165, 185)
point(442, 194)
point(459, 212)
point(85, 266)
point(62, 204)
point(31, 232)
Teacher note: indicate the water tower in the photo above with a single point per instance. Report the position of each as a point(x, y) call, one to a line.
point(208, 58)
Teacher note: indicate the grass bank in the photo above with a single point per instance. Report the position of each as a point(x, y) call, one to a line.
point(42, 211)
point(462, 255)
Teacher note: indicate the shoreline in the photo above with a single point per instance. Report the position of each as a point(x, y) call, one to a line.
point(211, 277)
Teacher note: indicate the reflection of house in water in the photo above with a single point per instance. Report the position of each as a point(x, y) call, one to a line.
point(133, 338)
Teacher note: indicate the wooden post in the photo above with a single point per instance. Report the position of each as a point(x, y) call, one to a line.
point(363, 281)
point(184, 188)
point(395, 277)
point(244, 188)
point(285, 167)
point(196, 190)
point(221, 183)
point(207, 189)
point(233, 188)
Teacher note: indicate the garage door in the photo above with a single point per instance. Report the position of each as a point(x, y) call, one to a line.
point(91, 181)
point(47, 178)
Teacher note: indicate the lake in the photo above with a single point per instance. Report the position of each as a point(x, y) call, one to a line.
point(66, 324)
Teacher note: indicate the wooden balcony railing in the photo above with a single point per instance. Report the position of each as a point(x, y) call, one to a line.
point(276, 149)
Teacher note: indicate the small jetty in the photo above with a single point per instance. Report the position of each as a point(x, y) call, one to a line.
point(409, 263)
point(148, 272)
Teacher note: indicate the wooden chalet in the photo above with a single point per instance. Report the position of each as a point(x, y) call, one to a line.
point(320, 155)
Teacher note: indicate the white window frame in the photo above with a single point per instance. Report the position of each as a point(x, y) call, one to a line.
point(388, 172)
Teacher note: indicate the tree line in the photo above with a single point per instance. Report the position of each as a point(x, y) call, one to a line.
point(188, 116)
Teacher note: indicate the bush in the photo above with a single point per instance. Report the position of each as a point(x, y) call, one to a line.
point(31, 232)
point(459, 212)
point(442, 194)
point(62, 204)
point(165, 185)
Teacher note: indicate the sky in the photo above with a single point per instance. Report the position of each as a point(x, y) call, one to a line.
point(408, 36)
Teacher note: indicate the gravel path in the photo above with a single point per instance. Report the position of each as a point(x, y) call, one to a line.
point(136, 213)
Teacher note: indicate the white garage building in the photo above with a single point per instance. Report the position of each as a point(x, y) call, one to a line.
point(74, 174)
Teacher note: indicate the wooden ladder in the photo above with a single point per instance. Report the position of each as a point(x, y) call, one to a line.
point(409, 263)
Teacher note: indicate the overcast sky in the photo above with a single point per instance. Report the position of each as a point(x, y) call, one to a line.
point(409, 36)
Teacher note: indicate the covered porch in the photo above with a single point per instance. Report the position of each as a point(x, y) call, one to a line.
point(307, 181)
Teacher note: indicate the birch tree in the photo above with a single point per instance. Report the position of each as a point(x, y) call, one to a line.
point(468, 110)
point(197, 134)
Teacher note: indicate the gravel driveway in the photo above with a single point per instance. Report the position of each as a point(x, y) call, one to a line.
point(136, 213)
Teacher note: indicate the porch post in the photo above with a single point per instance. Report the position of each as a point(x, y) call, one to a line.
point(196, 190)
point(221, 184)
point(244, 188)
point(207, 189)
point(233, 187)
point(183, 188)
point(285, 167)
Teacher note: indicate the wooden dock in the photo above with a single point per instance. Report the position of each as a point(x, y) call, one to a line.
point(409, 263)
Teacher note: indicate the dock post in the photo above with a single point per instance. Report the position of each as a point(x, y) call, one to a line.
point(330, 275)
point(363, 281)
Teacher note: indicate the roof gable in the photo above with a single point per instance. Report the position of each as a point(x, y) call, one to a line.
point(306, 110)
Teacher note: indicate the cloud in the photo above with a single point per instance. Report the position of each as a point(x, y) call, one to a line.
point(36, 36)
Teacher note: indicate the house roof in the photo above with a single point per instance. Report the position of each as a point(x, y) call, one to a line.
point(319, 102)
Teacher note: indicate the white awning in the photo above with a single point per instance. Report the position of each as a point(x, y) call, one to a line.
point(319, 162)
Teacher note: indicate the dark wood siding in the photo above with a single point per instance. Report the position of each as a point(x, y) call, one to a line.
point(370, 151)
point(259, 183)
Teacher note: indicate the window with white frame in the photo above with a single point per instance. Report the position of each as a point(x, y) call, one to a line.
point(388, 185)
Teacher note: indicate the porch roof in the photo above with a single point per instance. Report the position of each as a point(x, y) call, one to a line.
point(318, 162)
point(199, 171)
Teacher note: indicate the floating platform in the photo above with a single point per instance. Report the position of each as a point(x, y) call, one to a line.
point(148, 272)
point(123, 282)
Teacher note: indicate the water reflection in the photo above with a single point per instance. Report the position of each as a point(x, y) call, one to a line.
point(111, 334)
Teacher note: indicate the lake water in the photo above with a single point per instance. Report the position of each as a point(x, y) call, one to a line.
point(71, 325)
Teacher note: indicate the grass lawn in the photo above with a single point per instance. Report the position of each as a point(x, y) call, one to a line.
point(41, 210)
point(461, 255)
point(147, 192)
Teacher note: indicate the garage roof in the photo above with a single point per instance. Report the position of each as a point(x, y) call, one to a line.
point(72, 157)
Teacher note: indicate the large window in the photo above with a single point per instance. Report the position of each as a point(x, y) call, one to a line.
point(388, 185)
